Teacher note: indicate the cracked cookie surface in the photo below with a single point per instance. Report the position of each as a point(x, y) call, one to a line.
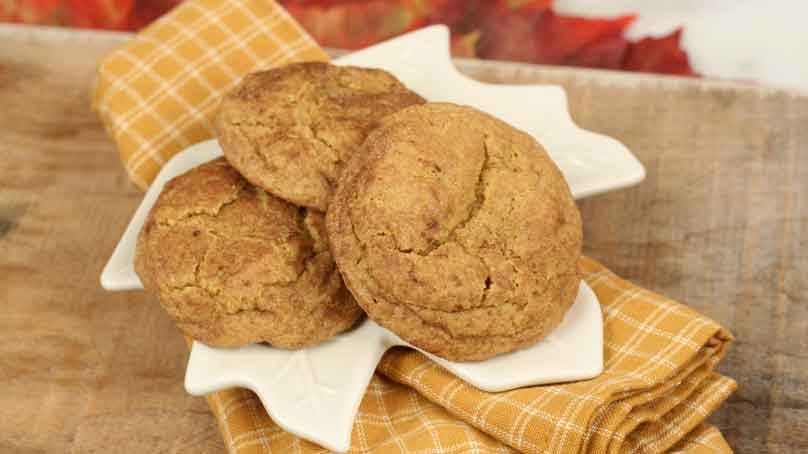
point(289, 130)
point(457, 232)
point(233, 265)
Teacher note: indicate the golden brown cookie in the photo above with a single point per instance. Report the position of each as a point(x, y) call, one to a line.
point(234, 265)
point(290, 129)
point(457, 232)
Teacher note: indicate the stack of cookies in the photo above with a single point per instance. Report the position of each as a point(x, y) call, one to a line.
point(343, 193)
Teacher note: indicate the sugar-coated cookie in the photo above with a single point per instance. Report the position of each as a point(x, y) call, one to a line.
point(233, 265)
point(457, 232)
point(289, 130)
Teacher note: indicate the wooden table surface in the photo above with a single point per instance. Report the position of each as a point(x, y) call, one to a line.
point(720, 223)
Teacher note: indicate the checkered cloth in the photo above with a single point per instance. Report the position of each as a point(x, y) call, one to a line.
point(657, 389)
point(157, 94)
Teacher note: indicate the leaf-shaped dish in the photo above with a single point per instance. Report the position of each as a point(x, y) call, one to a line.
point(311, 392)
point(315, 392)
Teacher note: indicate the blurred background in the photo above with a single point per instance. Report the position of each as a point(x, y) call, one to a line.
point(748, 40)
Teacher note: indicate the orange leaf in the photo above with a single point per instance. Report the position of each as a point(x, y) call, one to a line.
point(465, 46)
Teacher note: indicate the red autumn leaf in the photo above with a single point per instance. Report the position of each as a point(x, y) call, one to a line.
point(607, 53)
point(320, 3)
point(461, 16)
point(354, 24)
point(566, 40)
point(32, 11)
point(659, 55)
point(507, 35)
point(542, 36)
point(466, 16)
point(594, 43)
point(106, 14)
point(146, 11)
point(521, 30)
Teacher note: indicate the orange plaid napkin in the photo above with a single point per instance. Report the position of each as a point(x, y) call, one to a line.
point(157, 94)
point(657, 389)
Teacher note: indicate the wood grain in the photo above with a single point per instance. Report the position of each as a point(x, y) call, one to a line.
point(720, 223)
point(81, 370)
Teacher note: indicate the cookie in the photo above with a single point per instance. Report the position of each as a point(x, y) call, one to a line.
point(457, 232)
point(233, 265)
point(289, 130)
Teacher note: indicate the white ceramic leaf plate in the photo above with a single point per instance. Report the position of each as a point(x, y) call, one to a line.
point(315, 392)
